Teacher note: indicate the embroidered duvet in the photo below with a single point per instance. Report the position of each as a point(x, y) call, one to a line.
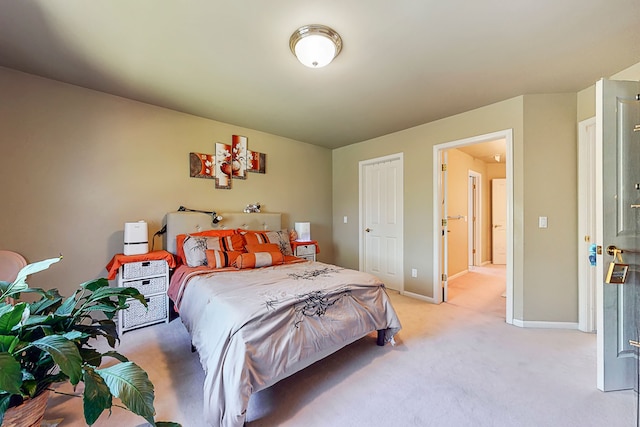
point(254, 327)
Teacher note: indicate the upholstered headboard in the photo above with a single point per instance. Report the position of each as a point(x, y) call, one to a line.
point(193, 222)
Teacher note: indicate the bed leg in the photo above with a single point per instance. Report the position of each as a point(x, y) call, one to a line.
point(193, 348)
point(380, 340)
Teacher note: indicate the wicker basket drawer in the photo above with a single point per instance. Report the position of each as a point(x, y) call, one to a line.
point(305, 250)
point(133, 270)
point(139, 315)
point(150, 286)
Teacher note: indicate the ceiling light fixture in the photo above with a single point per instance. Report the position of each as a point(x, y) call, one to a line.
point(315, 45)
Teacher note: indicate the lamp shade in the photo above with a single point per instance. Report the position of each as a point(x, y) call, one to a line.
point(315, 45)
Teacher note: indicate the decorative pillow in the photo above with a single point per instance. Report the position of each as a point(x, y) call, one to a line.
point(280, 238)
point(263, 247)
point(194, 247)
point(258, 259)
point(221, 259)
point(180, 238)
point(235, 242)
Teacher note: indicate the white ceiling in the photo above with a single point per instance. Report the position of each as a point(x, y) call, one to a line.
point(404, 62)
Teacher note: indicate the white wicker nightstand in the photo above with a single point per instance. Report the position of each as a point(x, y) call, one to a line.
point(151, 278)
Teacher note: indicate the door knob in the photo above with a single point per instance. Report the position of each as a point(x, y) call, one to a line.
point(367, 230)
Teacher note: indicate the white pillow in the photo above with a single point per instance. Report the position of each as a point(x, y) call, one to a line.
point(195, 248)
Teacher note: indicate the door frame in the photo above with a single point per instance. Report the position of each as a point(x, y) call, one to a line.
point(361, 236)
point(507, 135)
point(587, 199)
point(475, 209)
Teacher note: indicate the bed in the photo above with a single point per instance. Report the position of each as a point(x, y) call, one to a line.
point(266, 314)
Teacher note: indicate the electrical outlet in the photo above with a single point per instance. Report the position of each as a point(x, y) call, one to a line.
point(345, 219)
point(414, 272)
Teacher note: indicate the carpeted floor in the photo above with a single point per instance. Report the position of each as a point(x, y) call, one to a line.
point(455, 364)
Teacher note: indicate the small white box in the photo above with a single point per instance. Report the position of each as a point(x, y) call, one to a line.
point(303, 229)
point(136, 238)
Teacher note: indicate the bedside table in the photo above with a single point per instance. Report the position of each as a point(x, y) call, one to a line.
point(149, 274)
point(307, 250)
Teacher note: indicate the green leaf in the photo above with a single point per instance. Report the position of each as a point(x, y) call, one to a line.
point(10, 374)
point(96, 397)
point(8, 342)
point(5, 400)
point(130, 383)
point(20, 284)
point(12, 318)
point(167, 424)
point(94, 285)
point(67, 306)
point(64, 353)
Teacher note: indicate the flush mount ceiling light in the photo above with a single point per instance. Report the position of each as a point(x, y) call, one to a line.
point(315, 45)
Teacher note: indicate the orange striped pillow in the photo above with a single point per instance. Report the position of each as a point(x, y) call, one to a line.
point(221, 259)
point(235, 242)
point(180, 238)
point(280, 238)
point(258, 259)
point(264, 247)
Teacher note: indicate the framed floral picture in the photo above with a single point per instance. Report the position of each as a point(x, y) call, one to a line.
point(239, 156)
point(201, 165)
point(223, 169)
point(256, 162)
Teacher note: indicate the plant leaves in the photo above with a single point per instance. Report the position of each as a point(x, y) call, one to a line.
point(67, 306)
point(5, 400)
point(130, 383)
point(8, 342)
point(20, 284)
point(11, 318)
point(167, 424)
point(96, 397)
point(65, 354)
point(10, 374)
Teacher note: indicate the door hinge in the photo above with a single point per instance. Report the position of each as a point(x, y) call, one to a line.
point(444, 167)
point(444, 222)
point(444, 277)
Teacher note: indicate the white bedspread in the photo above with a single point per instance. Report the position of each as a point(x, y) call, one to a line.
point(254, 327)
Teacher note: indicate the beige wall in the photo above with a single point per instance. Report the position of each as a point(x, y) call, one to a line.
point(76, 164)
point(417, 144)
point(541, 124)
point(550, 174)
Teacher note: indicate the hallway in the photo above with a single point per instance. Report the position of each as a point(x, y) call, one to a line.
point(480, 289)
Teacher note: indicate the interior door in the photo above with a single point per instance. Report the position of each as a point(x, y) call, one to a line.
point(382, 208)
point(618, 136)
point(499, 221)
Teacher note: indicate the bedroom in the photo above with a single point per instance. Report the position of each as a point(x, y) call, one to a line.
point(78, 163)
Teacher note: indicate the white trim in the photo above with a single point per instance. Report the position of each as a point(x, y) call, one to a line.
point(586, 224)
point(459, 274)
point(361, 166)
point(507, 135)
point(417, 296)
point(544, 325)
point(475, 234)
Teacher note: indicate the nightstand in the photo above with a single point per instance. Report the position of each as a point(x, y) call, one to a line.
point(307, 250)
point(149, 274)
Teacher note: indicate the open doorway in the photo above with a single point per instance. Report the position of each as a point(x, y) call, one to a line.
point(467, 162)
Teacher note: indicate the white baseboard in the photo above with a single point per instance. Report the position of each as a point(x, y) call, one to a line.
point(462, 273)
point(417, 296)
point(544, 325)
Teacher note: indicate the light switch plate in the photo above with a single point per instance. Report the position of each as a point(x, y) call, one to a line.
point(542, 222)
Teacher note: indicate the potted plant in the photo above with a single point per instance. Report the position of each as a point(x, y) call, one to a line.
point(49, 341)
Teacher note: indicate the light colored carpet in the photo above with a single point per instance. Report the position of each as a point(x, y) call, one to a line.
point(455, 364)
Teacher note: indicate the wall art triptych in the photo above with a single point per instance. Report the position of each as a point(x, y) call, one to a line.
point(230, 161)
